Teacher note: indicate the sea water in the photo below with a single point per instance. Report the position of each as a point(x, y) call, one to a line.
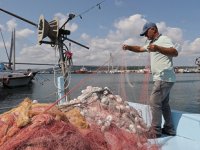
point(184, 96)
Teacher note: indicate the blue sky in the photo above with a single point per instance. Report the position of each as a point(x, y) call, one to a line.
point(103, 30)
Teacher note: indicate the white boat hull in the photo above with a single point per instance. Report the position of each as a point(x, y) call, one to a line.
point(16, 79)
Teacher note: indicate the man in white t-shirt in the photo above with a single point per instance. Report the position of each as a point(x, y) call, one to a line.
point(161, 50)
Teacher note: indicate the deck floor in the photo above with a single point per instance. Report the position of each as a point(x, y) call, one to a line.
point(176, 143)
point(187, 127)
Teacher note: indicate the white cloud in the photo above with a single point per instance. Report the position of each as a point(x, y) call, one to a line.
point(130, 26)
point(126, 30)
point(38, 53)
point(7, 44)
point(11, 24)
point(43, 54)
point(175, 33)
point(2, 27)
point(85, 36)
point(24, 33)
point(191, 48)
point(195, 45)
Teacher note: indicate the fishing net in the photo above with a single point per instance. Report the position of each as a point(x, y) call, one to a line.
point(121, 125)
point(95, 120)
point(29, 127)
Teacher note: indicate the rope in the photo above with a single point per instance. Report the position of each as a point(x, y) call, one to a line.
point(89, 9)
point(122, 77)
point(144, 91)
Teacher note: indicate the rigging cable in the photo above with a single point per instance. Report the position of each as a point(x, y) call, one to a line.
point(89, 9)
point(4, 44)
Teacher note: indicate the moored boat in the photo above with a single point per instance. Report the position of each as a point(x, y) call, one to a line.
point(16, 80)
point(10, 78)
point(82, 70)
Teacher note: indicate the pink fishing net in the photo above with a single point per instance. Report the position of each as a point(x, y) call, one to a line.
point(46, 133)
point(121, 125)
point(96, 120)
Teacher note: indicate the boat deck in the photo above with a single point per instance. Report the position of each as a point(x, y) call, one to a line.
point(176, 143)
point(187, 126)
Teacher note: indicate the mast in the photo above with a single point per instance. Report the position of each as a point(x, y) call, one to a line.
point(11, 51)
point(64, 68)
point(14, 49)
point(110, 63)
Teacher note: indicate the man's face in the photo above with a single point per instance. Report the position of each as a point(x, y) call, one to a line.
point(150, 34)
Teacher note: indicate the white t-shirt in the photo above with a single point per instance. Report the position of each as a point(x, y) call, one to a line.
point(162, 65)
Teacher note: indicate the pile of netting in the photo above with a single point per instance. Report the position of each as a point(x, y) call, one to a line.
point(96, 120)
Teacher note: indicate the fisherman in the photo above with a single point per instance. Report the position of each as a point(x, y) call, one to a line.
point(161, 50)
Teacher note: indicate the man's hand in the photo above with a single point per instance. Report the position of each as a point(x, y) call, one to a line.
point(124, 47)
point(152, 48)
point(169, 51)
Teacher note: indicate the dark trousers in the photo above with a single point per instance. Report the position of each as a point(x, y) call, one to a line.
point(159, 103)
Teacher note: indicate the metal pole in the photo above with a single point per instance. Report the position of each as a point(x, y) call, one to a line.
point(23, 19)
point(64, 69)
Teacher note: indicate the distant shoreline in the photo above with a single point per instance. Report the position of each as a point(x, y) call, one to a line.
point(120, 69)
